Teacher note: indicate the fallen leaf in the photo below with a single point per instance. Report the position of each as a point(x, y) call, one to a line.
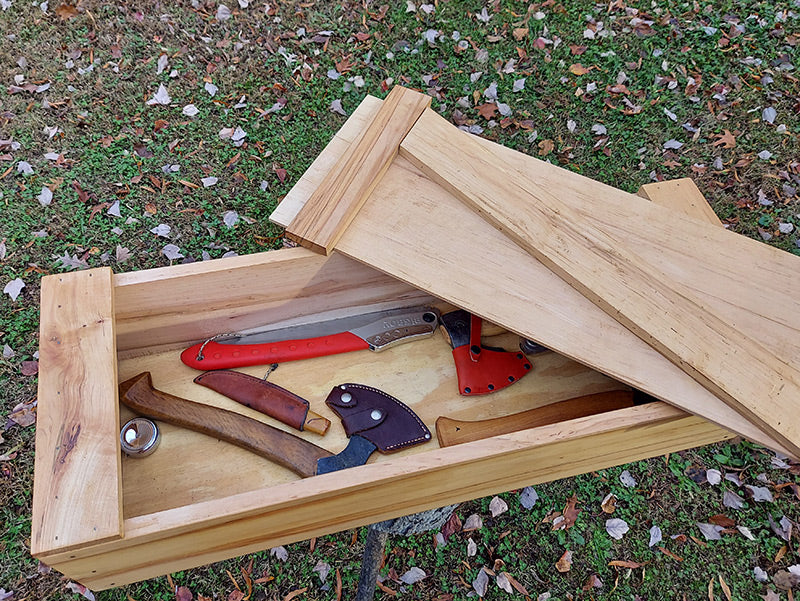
point(578, 69)
point(160, 97)
point(497, 506)
point(726, 139)
point(413, 575)
point(593, 582)
point(713, 476)
point(14, 288)
point(279, 553)
point(504, 583)
point(209, 181)
point(528, 497)
point(616, 528)
point(472, 548)
point(29, 368)
point(669, 553)
point(759, 493)
point(785, 580)
point(564, 564)
point(190, 110)
point(81, 590)
point(487, 110)
point(183, 594)
point(609, 504)
point(517, 585)
point(624, 563)
point(473, 522)
point(336, 107)
point(732, 500)
point(451, 526)
point(172, 252)
point(24, 414)
point(546, 147)
point(66, 11)
point(722, 520)
point(655, 536)
point(481, 583)
point(725, 588)
point(710, 531)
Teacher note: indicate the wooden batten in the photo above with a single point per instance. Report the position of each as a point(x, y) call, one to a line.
point(420, 242)
point(680, 195)
point(331, 207)
point(745, 374)
point(77, 492)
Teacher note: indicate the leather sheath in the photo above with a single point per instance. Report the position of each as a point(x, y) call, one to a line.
point(380, 418)
point(258, 394)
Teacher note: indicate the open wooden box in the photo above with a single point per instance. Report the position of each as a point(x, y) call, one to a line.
point(105, 522)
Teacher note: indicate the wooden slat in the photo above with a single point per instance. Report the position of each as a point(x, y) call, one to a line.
point(77, 490)
point(331, 207)
point(520, 294)
point(211, 531)
point(743, 373)
point(174, 306)
point(682, 195)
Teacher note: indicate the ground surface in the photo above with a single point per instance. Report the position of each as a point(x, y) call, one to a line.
point(144, 134)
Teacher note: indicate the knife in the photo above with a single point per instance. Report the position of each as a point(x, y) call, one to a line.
point(374, 331)
point(266, 397)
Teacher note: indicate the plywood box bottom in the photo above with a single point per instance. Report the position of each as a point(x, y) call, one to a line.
point(105, 520)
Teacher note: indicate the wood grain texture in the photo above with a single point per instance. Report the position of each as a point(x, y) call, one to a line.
point(292, 452)
point(733, 366)
point(513, 291)
point(77, 490)
point(206, 532)
point(173, 307)
point(681, 195)
point(451, 431)
point(331, 207)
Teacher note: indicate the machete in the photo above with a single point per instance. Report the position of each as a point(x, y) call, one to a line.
point(372, 420)
point(374, 331)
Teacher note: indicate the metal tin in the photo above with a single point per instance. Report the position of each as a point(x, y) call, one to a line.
point(139, 437)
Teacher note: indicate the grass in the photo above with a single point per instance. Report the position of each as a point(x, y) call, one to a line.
point(608, 90)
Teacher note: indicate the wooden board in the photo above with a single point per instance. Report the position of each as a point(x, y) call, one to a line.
point(332, 205)
point(680, 195)
point(77, 493)
point(604, 268)
point(513, 291)
point(210, 531)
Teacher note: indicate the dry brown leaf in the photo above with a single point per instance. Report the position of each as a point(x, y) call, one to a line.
point(578, 69)
point(781, 552)
point(66, 11)
point(571, 512)
point(517, 585)
point(624, 563)
point(564, 564)
point(726, 590)
point(338, 585)
point(520, 33)
point(294, 594)
point(593, 582)
point(487, 110)
point(711, 589)
point(669, 553)
point(609, 504)
point(183, 594)
point(546, 147)
point(386, 589)
point(726, 139)
point(722, 520)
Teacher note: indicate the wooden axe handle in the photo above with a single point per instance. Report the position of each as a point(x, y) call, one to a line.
point(283, 448)
point(453, 431)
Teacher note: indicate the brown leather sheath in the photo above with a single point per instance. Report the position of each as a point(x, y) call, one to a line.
point(266, 397)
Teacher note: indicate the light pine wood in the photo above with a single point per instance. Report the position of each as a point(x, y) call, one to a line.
point(734, 367)
point(331, 207)
point(680, 195)
point(77, 491)
point(175, 306)
point(305, 186)
point(211, 531)
point(513, 291)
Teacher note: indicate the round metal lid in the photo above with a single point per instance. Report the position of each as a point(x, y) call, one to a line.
point(139, 437)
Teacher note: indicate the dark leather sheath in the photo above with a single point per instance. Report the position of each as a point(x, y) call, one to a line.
point(257, 394)
point(380, 418)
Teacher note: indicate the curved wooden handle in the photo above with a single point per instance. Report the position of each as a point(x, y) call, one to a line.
point(453, 431)
point(276, 445)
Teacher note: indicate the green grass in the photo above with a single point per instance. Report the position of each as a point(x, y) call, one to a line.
point(103, 118)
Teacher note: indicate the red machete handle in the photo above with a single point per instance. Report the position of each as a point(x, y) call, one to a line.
point(215, 355)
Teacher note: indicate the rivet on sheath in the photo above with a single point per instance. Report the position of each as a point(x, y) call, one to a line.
point(376, 415)
point(346, 397)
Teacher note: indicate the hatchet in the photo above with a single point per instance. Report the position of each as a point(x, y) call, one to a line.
point(372, 419)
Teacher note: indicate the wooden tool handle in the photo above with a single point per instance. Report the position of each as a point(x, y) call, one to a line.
point(276, 445)
point(453, 431)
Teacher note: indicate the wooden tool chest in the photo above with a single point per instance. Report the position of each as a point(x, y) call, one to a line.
point(107, 520)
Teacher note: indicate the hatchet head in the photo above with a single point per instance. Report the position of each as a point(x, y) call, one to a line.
point(372, 420)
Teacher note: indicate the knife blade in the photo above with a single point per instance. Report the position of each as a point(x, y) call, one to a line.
point(375, 331)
